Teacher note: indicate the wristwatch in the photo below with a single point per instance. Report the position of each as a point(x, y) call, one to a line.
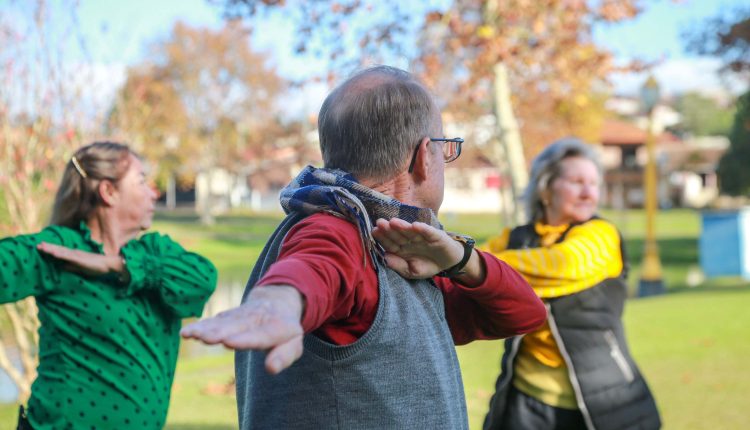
point(457, 269)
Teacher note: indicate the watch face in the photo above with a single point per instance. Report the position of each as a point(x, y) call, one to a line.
point(468, 244)
point(462, 238)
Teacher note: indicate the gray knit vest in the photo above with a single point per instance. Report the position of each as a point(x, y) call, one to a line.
point(402, 373)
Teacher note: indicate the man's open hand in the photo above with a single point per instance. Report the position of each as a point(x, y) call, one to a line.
point(268, 321)
point(416, 250)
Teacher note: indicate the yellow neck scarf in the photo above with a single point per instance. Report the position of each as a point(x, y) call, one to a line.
point(549, 233)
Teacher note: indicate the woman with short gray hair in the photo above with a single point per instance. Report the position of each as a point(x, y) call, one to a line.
point(575, 372)
point(547, 167)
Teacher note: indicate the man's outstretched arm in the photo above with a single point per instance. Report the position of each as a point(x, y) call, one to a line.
point(316, 279)
point(489, 300)
point(269, 321)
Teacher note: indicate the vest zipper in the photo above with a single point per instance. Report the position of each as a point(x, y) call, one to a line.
point(617, 355)
point(571, 369)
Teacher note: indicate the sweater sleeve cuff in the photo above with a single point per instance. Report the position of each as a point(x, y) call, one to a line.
point(494, 279)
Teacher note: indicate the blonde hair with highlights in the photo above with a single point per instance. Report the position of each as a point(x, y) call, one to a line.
point(78, 194)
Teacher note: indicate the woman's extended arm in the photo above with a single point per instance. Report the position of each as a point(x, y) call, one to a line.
point(182, 279)
point(24, 271)
point(589, 254)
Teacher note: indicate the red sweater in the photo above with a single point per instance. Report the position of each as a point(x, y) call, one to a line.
point(322, 256)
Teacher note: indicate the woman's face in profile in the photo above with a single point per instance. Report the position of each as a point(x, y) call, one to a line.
point(137, 198)
point(574, 195)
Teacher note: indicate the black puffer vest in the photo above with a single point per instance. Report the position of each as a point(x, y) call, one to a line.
point(587, 326)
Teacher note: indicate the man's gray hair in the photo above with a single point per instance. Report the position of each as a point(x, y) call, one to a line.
point(371, 123)
point(546, 168)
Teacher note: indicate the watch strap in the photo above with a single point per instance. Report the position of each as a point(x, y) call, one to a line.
point(457, 269)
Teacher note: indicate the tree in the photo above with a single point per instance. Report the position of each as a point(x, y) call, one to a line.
point(42, 103)
point(229, 93)
point(545, 49)
point(734, 175)
point(149, 114)
point(726, 36)
point(702, 116)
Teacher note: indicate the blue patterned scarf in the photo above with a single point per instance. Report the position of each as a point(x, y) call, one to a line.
point(337, 193)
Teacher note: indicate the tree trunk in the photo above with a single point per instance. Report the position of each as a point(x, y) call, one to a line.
point(171, 192)
point(510, 139)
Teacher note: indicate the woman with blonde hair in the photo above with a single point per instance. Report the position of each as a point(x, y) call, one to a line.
point(110, 303)
point(574, 372)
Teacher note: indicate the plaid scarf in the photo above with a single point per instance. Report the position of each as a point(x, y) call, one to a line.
point(337, 193)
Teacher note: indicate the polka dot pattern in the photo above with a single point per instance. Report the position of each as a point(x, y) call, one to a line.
point(108, 350)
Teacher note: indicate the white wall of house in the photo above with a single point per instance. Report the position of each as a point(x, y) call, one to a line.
point(473, 191)
point(222, 191)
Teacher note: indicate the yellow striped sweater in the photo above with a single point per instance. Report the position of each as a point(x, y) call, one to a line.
point(589, 254)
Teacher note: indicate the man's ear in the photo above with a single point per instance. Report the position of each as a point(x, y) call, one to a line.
point(423, 160)
point(107, 192)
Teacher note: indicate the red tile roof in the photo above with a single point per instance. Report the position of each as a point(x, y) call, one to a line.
point(618, 132)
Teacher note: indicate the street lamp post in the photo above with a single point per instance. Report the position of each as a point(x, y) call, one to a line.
point(651, 282)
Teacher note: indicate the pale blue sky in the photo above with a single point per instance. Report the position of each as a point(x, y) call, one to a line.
point(657, 31)
point(656, 34)
point(118, 33)
point(131, 25)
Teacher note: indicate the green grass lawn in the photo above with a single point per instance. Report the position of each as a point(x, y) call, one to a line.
point(691, 343)
point(691, 346)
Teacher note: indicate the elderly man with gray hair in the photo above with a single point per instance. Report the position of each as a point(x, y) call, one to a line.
point(360, 295)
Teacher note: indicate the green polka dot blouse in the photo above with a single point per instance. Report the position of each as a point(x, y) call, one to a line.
point(107, 350)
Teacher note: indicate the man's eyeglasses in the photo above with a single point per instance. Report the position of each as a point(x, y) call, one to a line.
point(451, 150)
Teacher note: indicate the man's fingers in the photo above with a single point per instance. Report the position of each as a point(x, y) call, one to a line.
point(385, 241)
point(390, 231)
point(398, 264)
point(406, 234)
point(282, 356)
point(267, 335)
point(208, 331)
point(214, 330)
point(427, 232)
point(244, 327)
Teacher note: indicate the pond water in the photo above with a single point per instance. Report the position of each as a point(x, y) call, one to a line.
point(228, 295)
point(8, 390)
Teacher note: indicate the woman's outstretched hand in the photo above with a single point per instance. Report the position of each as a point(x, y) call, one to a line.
point(87, 263)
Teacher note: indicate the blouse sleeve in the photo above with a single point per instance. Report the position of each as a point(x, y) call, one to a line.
point(589, 254)
point(183, 280)
point(24, 271)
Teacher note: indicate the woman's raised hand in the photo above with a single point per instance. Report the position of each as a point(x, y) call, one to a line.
point(84, 262)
